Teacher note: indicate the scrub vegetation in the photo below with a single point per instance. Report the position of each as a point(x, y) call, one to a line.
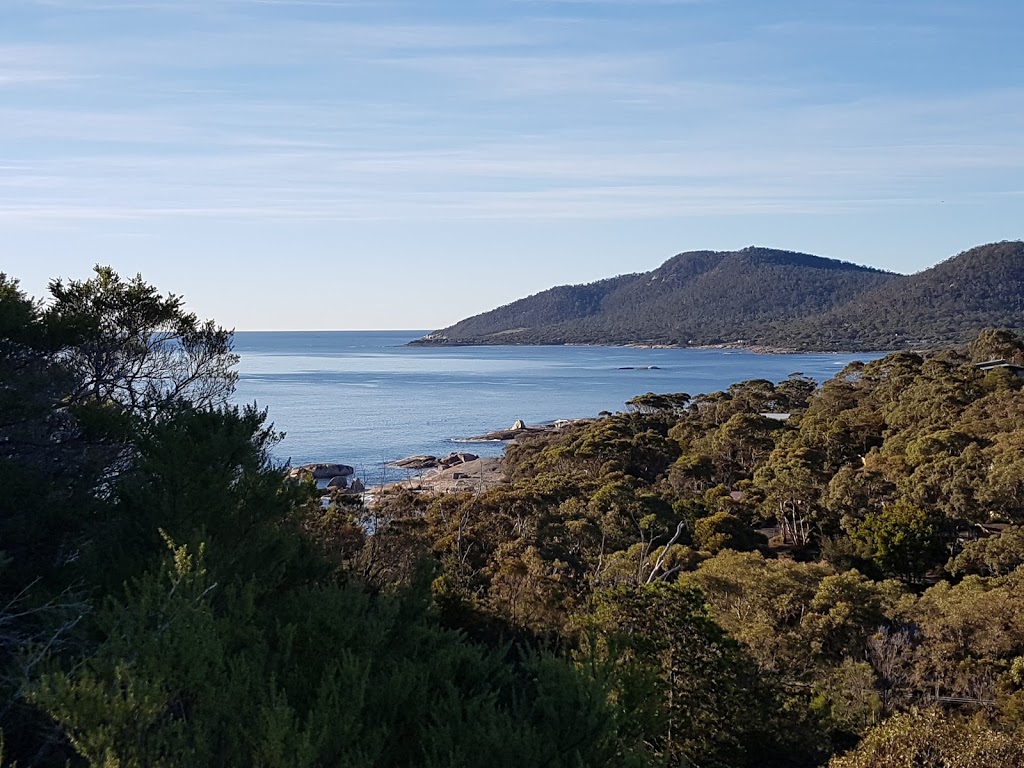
point(687, 583)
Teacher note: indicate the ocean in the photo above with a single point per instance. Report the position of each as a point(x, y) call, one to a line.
point(364, 398)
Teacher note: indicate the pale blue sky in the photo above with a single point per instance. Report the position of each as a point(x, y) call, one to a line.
point(329, 164)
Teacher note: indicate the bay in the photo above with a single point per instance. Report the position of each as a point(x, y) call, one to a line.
point(365, 398)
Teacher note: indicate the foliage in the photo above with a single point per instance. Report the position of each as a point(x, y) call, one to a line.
point(168, 597)
point(991, 556)
point(247, 642)
point(901, 539)
point(930, 740)
point(137, 348)
point(725, 531)
point(714, 705)
point(192, 673)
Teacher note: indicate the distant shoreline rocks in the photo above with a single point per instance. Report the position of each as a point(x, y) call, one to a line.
point(415, 462)
point(458, 471)
point(330, 477)
point(321, 471)
point(432, 462)
point(475, 475)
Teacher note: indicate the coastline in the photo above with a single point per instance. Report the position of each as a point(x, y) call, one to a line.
point(468, 472)
point(336, 402)
point(480, 474)
point(757, 349)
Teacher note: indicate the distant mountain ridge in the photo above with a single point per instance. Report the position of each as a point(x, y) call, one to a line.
point(763, 297)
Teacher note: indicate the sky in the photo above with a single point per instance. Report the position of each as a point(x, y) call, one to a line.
point(348, 164)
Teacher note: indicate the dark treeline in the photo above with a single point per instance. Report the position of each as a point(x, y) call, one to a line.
point(686, 583)
point(765, 297)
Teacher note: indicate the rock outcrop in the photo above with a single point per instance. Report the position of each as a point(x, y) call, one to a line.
point(432, 462)
point(416, 462)
point(321, 471)
point(455, 458)
point(470, 477)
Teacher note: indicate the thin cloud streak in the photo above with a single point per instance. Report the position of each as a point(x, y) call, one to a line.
point(296, 121)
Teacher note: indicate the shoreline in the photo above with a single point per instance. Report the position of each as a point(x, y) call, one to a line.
point(480, 474)
point(469, 473)
point(757, 349)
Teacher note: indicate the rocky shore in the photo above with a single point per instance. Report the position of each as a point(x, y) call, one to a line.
point(457, 472)
point(330, 477)
point(474, 475)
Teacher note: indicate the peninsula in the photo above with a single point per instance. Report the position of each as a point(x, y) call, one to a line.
point(767, 299)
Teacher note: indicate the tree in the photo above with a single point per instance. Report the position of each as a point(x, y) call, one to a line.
point(650, 403)
point(741, 444)
point(902, 539)
point(761, 603)
point(930, 739)
point(725, 531)
point(204, 477)
point(193, 672)
point(997, 343)
point(714, 705)
point(83, 374)
point(991, 556)
point(137, 348)
point(792, 478)
point(968, 635)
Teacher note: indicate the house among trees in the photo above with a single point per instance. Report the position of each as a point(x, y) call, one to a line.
point(991, 365)
point(981, 531)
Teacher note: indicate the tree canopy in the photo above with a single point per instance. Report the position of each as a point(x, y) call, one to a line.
point(684, 583)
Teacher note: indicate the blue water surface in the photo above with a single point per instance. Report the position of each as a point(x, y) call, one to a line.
point(365, 398)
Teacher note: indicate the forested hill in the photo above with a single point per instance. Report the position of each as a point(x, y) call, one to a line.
point(949, 303)
point(766, 297)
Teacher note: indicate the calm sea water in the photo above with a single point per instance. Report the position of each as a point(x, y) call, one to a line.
point(364, 398)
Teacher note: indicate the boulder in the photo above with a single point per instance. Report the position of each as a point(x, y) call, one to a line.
point(456, 458)
point(417, 462)
point(328, 471)
point(357, 486)
point(520, 424)
point(337, 482)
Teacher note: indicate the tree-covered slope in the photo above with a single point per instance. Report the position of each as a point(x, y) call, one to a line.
point(699, 297)
point(948, 303)
point(546, 309)
point(734, 300)
point(766, 297)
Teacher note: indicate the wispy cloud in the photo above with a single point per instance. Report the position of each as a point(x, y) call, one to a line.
point(277, 178)
point(184, 5)
point(348, 111)
point(627, 3)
